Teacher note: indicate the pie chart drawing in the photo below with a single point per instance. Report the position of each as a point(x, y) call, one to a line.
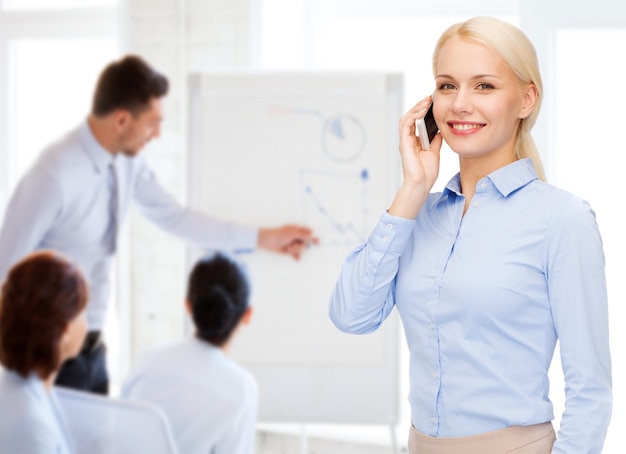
point(343, 137)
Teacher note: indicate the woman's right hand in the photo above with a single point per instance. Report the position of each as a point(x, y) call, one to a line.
point(420, 168)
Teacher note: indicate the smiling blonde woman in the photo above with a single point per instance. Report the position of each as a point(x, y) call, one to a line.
point(490, 273)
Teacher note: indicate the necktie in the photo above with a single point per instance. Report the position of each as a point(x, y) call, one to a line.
point(113, 206)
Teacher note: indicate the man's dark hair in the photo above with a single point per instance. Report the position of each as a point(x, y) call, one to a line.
point(129, 83)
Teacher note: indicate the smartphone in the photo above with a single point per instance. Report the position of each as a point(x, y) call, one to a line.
point(427, 128)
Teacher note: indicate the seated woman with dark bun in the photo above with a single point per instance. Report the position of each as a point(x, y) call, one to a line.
point(42, 323)
point(210, 401)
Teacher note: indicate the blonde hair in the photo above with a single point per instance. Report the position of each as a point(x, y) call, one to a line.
point(514, 48)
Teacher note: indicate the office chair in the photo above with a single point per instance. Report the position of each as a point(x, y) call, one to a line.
point(102, 425)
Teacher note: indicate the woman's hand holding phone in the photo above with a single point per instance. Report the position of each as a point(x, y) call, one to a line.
point(420, 167)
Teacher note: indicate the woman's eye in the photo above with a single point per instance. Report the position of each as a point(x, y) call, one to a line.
point(446, 87)
point(485, 86)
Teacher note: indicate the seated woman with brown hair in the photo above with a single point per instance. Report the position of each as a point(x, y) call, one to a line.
point(42, 323)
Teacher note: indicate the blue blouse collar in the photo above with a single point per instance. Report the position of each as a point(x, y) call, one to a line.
point(506, 179)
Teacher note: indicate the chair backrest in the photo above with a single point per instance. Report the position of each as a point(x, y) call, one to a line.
point(102, 425)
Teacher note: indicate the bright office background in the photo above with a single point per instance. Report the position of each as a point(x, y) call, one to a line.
point(51, 52)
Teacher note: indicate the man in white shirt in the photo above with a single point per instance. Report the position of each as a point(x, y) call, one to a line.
point(78, 191)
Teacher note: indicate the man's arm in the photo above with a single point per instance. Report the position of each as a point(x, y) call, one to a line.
point(288, 239)
point(209, 232)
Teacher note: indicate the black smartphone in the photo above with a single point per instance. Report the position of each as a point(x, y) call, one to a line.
point(427, 128)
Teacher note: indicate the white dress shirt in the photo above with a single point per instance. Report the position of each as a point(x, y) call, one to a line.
point(64, 203)
point(210, 401)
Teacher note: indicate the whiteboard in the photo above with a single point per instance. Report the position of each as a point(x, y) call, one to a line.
point(318, 149)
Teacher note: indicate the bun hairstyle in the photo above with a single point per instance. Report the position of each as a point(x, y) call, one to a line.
point(218, 294)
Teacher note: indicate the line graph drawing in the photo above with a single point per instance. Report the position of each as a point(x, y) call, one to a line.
point(336, 203)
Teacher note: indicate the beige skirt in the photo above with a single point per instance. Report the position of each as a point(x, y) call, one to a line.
point(536, 439)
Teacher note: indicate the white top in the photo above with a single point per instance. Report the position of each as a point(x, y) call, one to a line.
point(210, 401)
point(31, 419)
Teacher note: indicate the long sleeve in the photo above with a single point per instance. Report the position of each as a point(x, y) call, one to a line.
point(193, 226)
point(578, 297)
point(31, 212)
point(364, 294)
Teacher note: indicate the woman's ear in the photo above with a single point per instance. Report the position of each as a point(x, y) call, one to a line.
point(66, 334)
point(247, 316)
point(188, 307)
point(65, 339)
point(529, 100)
